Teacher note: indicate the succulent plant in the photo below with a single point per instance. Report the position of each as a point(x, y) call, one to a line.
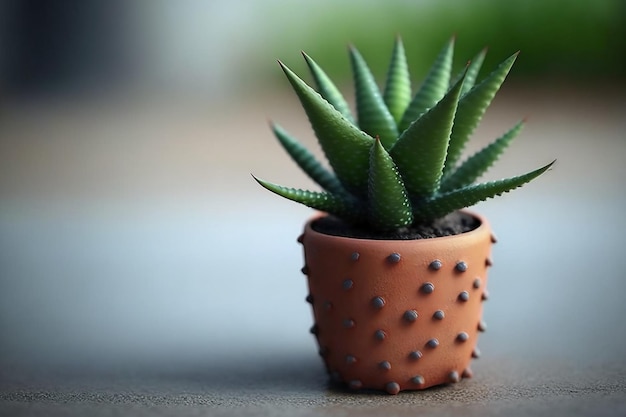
point(398, 163)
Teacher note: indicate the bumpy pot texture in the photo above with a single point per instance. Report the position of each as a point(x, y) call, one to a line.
point(397, 315)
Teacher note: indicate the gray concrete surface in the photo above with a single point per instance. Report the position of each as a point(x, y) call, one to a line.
point(298, 387)
point(142, 272)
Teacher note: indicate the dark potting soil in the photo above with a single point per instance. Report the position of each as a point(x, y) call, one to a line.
point(452, 224)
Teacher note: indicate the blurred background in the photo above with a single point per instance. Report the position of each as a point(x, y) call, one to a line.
point(219, 48)
point(131, 230)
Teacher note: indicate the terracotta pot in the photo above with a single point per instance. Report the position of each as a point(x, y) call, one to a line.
point(397, 314)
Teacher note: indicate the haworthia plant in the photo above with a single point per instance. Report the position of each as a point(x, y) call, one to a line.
point(398, 162)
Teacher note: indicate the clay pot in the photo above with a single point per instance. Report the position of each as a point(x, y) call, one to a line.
point(397, 314)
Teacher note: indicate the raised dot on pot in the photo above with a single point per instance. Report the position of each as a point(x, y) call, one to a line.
point(485, 295)
point(355, 256)
point(314, 330)
point(392, 388)
point(418, 380)
point(488, 262)
point(378, 302)
point(394, 258)
point(348, 323)
point(476, 283)
point(380, 334)
point(461, 266)
point(476, 353)
point(427, 288)
point(350, 359)
point(464, 296)
point(410, 315)
point(385, 365)
point(309, 299)
point(482, 326)
point(300, 238)
point(439, 315)
point(347, 284)
point(415, 355)
point(462, 337)
point(467, 373)
point(435, 265)
point(305, 270)
point(432, 343)
point(454, 376)
point(494, 239)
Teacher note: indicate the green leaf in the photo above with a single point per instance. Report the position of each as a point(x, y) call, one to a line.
point(472, 72)
point(443, 204)
point(420, 151)
point(433, 88)
point(471, 109)
point(397, 94)
point(339, 205)
point(373, 116)
point(328, 89)
point(346, 147)
point(307, 161)
point(389, 206)
point(480, 162)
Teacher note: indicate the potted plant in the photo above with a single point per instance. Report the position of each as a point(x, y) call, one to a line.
point(396, 267)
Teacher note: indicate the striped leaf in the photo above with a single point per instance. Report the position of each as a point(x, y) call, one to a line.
point(389, 206)
point(433, 88)
point(397, 94)
point(472, 72)
point(307, 161)
point(480, 162)
point(443, 204)
point(471, 109)
point(420, 152)
point(373, 116)
point(340, 206)
point(328, 89)
point(346, 147)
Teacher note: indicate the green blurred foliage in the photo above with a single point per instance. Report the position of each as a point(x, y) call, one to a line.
point(559, 39)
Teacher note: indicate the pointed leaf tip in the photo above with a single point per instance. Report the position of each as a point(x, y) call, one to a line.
point(433, 88)
point(471, 109)
point(307, 161)
point(327, 88)
point(420, 151)
point(373, 116)
point(341, 206)
point(477, 164)
point(397, 91)
point(389, 205)
point(443, 204)
point(345, 146)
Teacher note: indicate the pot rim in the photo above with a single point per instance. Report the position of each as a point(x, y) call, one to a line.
point(484, 225)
